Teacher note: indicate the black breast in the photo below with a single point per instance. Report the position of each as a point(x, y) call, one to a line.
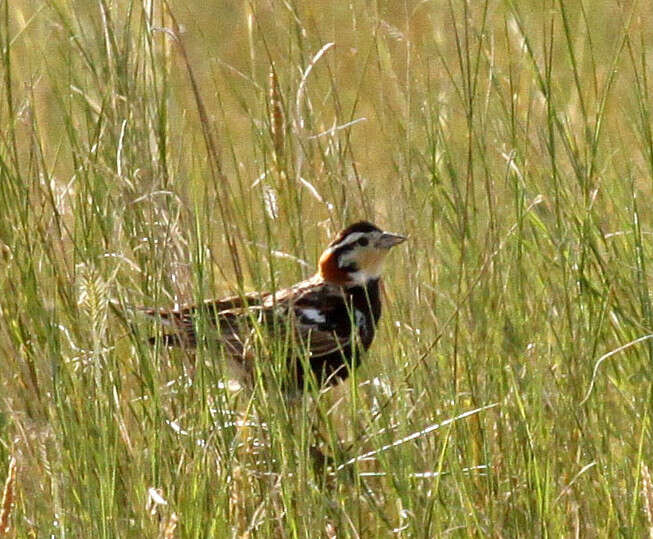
point(364, 307)
point(366, 302)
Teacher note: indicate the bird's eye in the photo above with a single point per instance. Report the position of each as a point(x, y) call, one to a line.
point(363, 242)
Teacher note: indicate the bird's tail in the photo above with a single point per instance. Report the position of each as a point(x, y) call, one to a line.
point(170, 320)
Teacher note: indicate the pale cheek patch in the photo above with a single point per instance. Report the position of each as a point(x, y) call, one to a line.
point(371, 262)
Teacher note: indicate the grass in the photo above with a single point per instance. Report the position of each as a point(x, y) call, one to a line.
point(155, 153)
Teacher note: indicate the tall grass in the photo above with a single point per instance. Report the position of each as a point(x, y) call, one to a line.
point(156, 153)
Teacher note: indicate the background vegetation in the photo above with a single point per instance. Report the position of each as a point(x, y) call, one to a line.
point(148, 162)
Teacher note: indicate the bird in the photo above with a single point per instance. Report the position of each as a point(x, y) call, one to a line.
point(322, 325)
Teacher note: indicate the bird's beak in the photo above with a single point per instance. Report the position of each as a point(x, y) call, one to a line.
point(388, 240)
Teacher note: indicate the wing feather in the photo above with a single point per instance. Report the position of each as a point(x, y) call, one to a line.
point(315, 313)
point(322, 321)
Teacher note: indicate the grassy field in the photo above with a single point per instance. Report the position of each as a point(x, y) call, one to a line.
point(155, 153)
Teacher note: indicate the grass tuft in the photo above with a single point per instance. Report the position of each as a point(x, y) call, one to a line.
point(155, 153)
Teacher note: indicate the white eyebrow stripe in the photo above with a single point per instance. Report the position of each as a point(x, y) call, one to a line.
point(349, 238)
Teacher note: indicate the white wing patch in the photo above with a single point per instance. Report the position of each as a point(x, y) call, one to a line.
point(314, 315)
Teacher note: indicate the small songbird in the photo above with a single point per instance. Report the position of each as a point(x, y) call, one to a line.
point(326, 322)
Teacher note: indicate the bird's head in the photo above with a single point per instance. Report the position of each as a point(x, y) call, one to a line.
point(356, 256)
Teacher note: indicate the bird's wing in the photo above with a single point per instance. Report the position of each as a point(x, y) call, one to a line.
point(225, 318)
point(320, 319)
point(313, 313)
point(212, 307)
